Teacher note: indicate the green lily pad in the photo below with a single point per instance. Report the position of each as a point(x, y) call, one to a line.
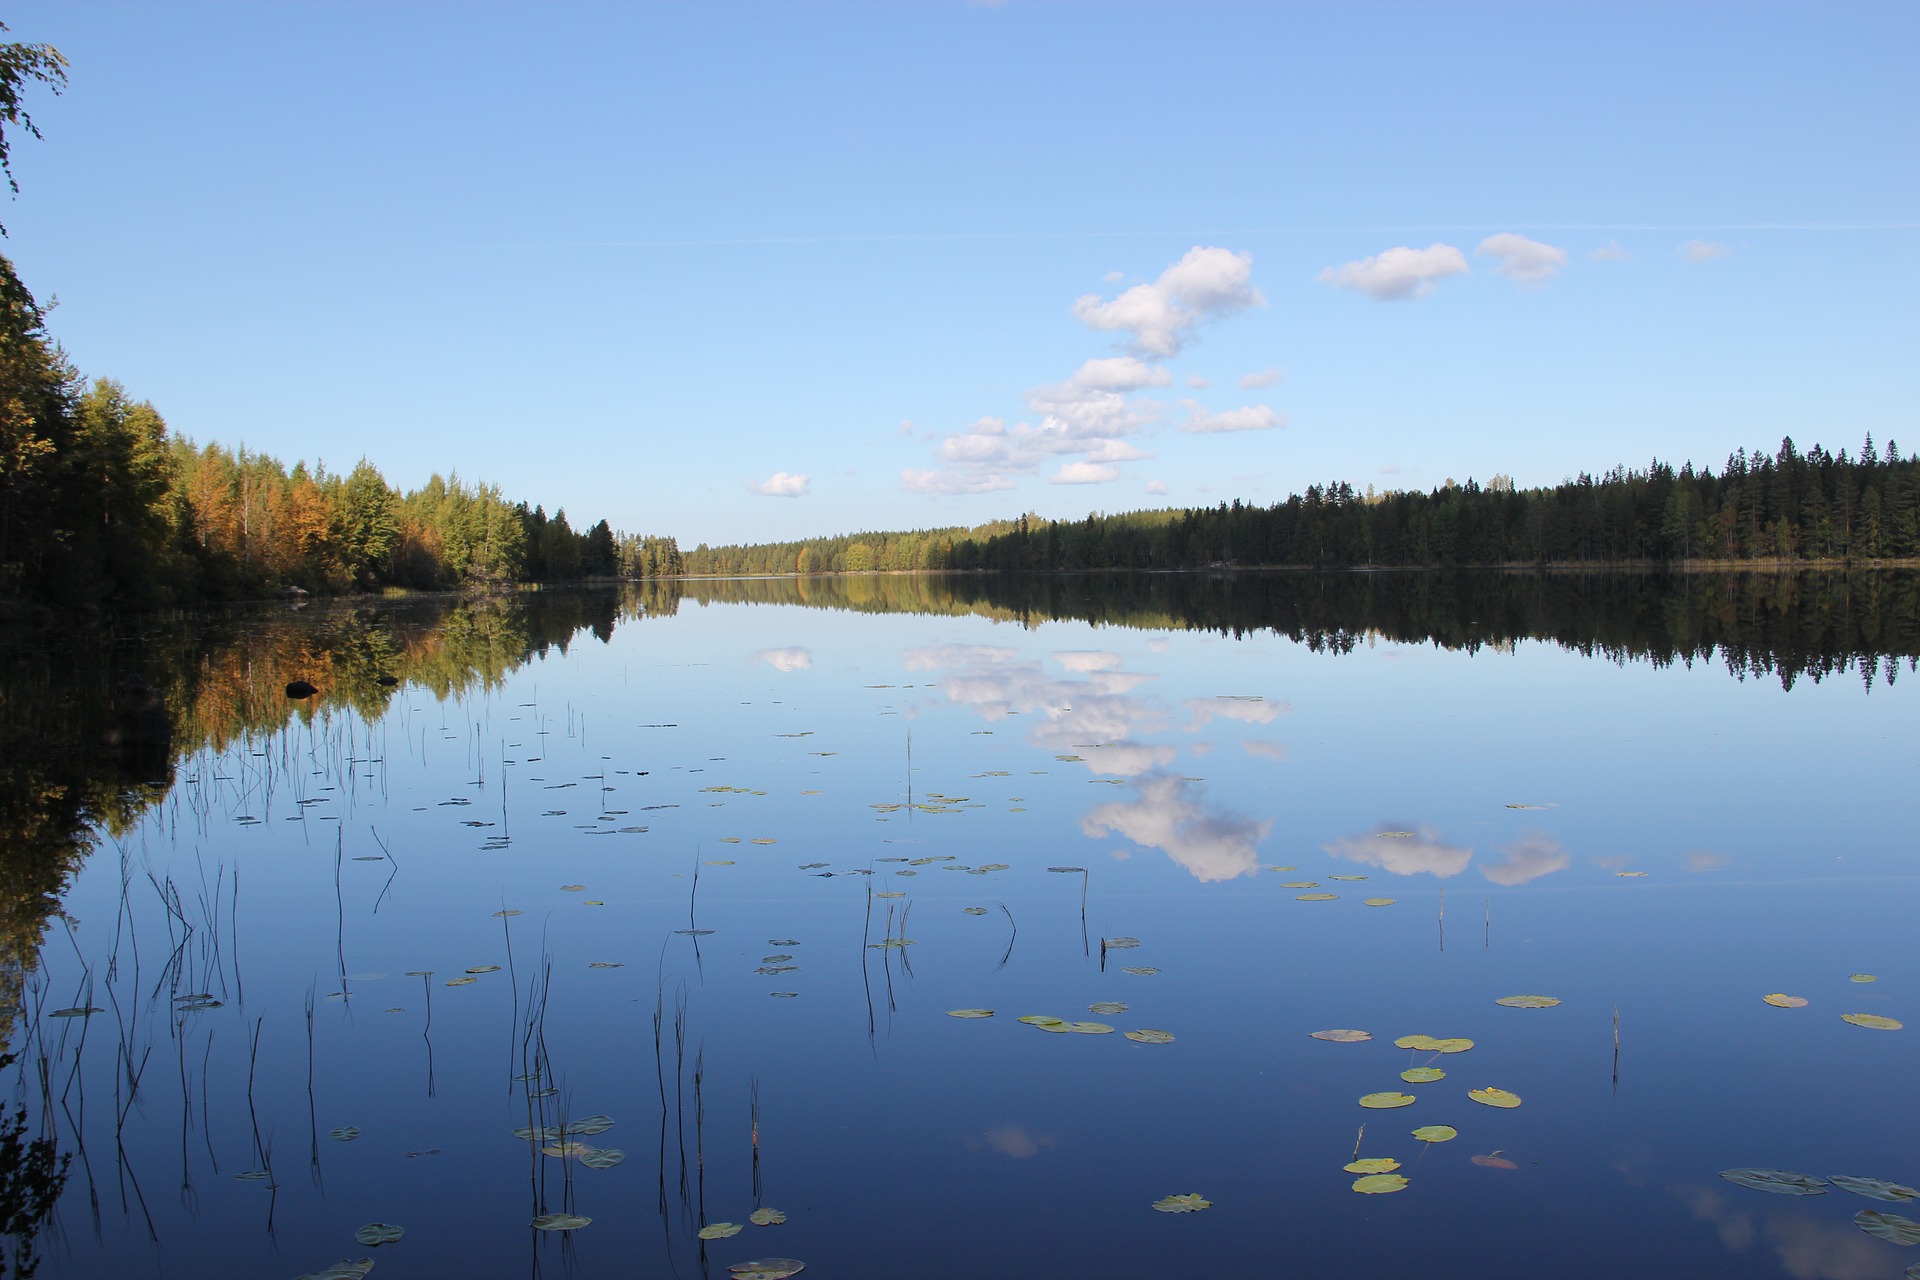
point(345, 1133)
point(1527, 1002)
point(1041, 1020)
point(1145, 971)
point(1150, 1035)
point(767, 1269)
point(1085, 1028)
point(1316, 897)
point(1491, 1097)
point(972, 1013)
point(605, 1158)
point(1874, 1188)
point(484, 968)
point(1379, 1184)
point(545, 1133)
point(1300, 884)
point(1415, 1042)
point(973, 911)
point(1119, 944)
point(1454, 1044)
point(461, 982)
point(1375, 1164)
point(588, 1125)
point(79, 1011)
point(1378, 902)
point(559, 1222)
point(1422, 1075)
point(1888, 1226)
point(1436, 1133)
point(1191, 1202)
point(1342, 1035)
point(766, 1217)
point(720, 1230)
point(1782, 1001)
point(345, 1269)
point(1777, 1181)
point(1387, 1101)
point(1873, 1020)
point(1106, 1006)
point(379, 1233)
point(1346, 877)
point(1863, 977)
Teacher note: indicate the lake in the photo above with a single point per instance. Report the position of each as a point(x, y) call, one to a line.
point(972, 926)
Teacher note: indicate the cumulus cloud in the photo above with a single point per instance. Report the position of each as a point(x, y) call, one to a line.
point(1156, 487)
point(1198, 383)
point(1085, 473)
point(1098, 712)
point(1405, 853)
point(781, 484)
point(1245, 709)
point(1206, 284)
point(1264, 378)
point(1533, 855)
point(1610, 252)
point(1704, 251)
point(1528, 261)
point(1275, 751)
point(1170, 814)
point(1398, 273)
point(793, 658)
point(1807, 1248)
point(1252, 417)
point(1085, 660)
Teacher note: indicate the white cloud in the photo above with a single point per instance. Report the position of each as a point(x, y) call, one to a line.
point(950, 482)
point(780, 484)
point(1704, 251)
point(1155, 487)
point(1247, 710)
point(1253, 417)
point(1206, 284)
point(1610, 252)
point(1264, 378)
point(1391, 848)
point(1398, 273)
point(1085, 660)
point(1118, 373)
point(1085, 473)
point(1198, 383)
point(1169, 813)
point(1528, 261)
point(794, 658)
point(1533, 855)
point(1275, 751)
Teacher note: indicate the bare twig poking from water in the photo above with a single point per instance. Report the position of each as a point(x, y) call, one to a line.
point(1486, 938)
point(1010, 937)
point(906, 962)
point(1085, 876)
point(1616, 1048)
point(753, 1117)
point(313, 1116)
point(1356, 1144)
point(1443, 917)
point(866, 981)
point(679, 1077)
point(426, 1031)
point(886, 966)
point(390, 877)
point(513, 980)
point(339, 910)
point(700, 1134)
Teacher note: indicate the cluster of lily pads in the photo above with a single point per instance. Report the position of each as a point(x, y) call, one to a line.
point(1872, 1021)
point(1892, 1227)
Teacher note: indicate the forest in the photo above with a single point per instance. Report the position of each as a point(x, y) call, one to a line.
point(1788, 506)
point(101, 504)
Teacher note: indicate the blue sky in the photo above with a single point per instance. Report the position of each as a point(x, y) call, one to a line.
point(754, 271)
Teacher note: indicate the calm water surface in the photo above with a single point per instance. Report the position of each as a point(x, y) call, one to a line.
point(754, 842)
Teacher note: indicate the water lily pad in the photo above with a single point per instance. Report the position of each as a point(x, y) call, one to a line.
point(588, 1125)
point(972, 1013)
point(559, 1222)
point(1436, 1133)
point(1375, 1164)
point(345, 1269)
point(766, 1217)
point(379, 1233)
point(1106, 1006)
point(605, 1158)
point(1387, 1101)
point(1493, 1161)
point(79, 1011)
point(1346, 877)
point(483, 968)
point(1342, 1035)
point(1300, 884)
point(1041, 1020)
point(461, 982)
point(1863, 977)
point(345, 1133)
point(694, 933)
point(1888, 1226)
point(720, 1230)
point(1492, 1097)
point(1379, 1184)
point(767, 1269)
point(1527, 1002)
point(1779, 1001)
point(1873, 1020)
point(1119, 944)
point(607, 964)
point(573, 888)
point(1777, 1181)
point(1144, 971)
point(1874, 1188)
point(1453, 1044)
point(1378, 902)
point(1316, 897)
point(1150, 1035)
point(1085, 1028)
point(567, 1148)
point(1415, 1042)
point(1191, 1202)
point(974, 911)
point(544, 1133)
point(1422, 1075)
